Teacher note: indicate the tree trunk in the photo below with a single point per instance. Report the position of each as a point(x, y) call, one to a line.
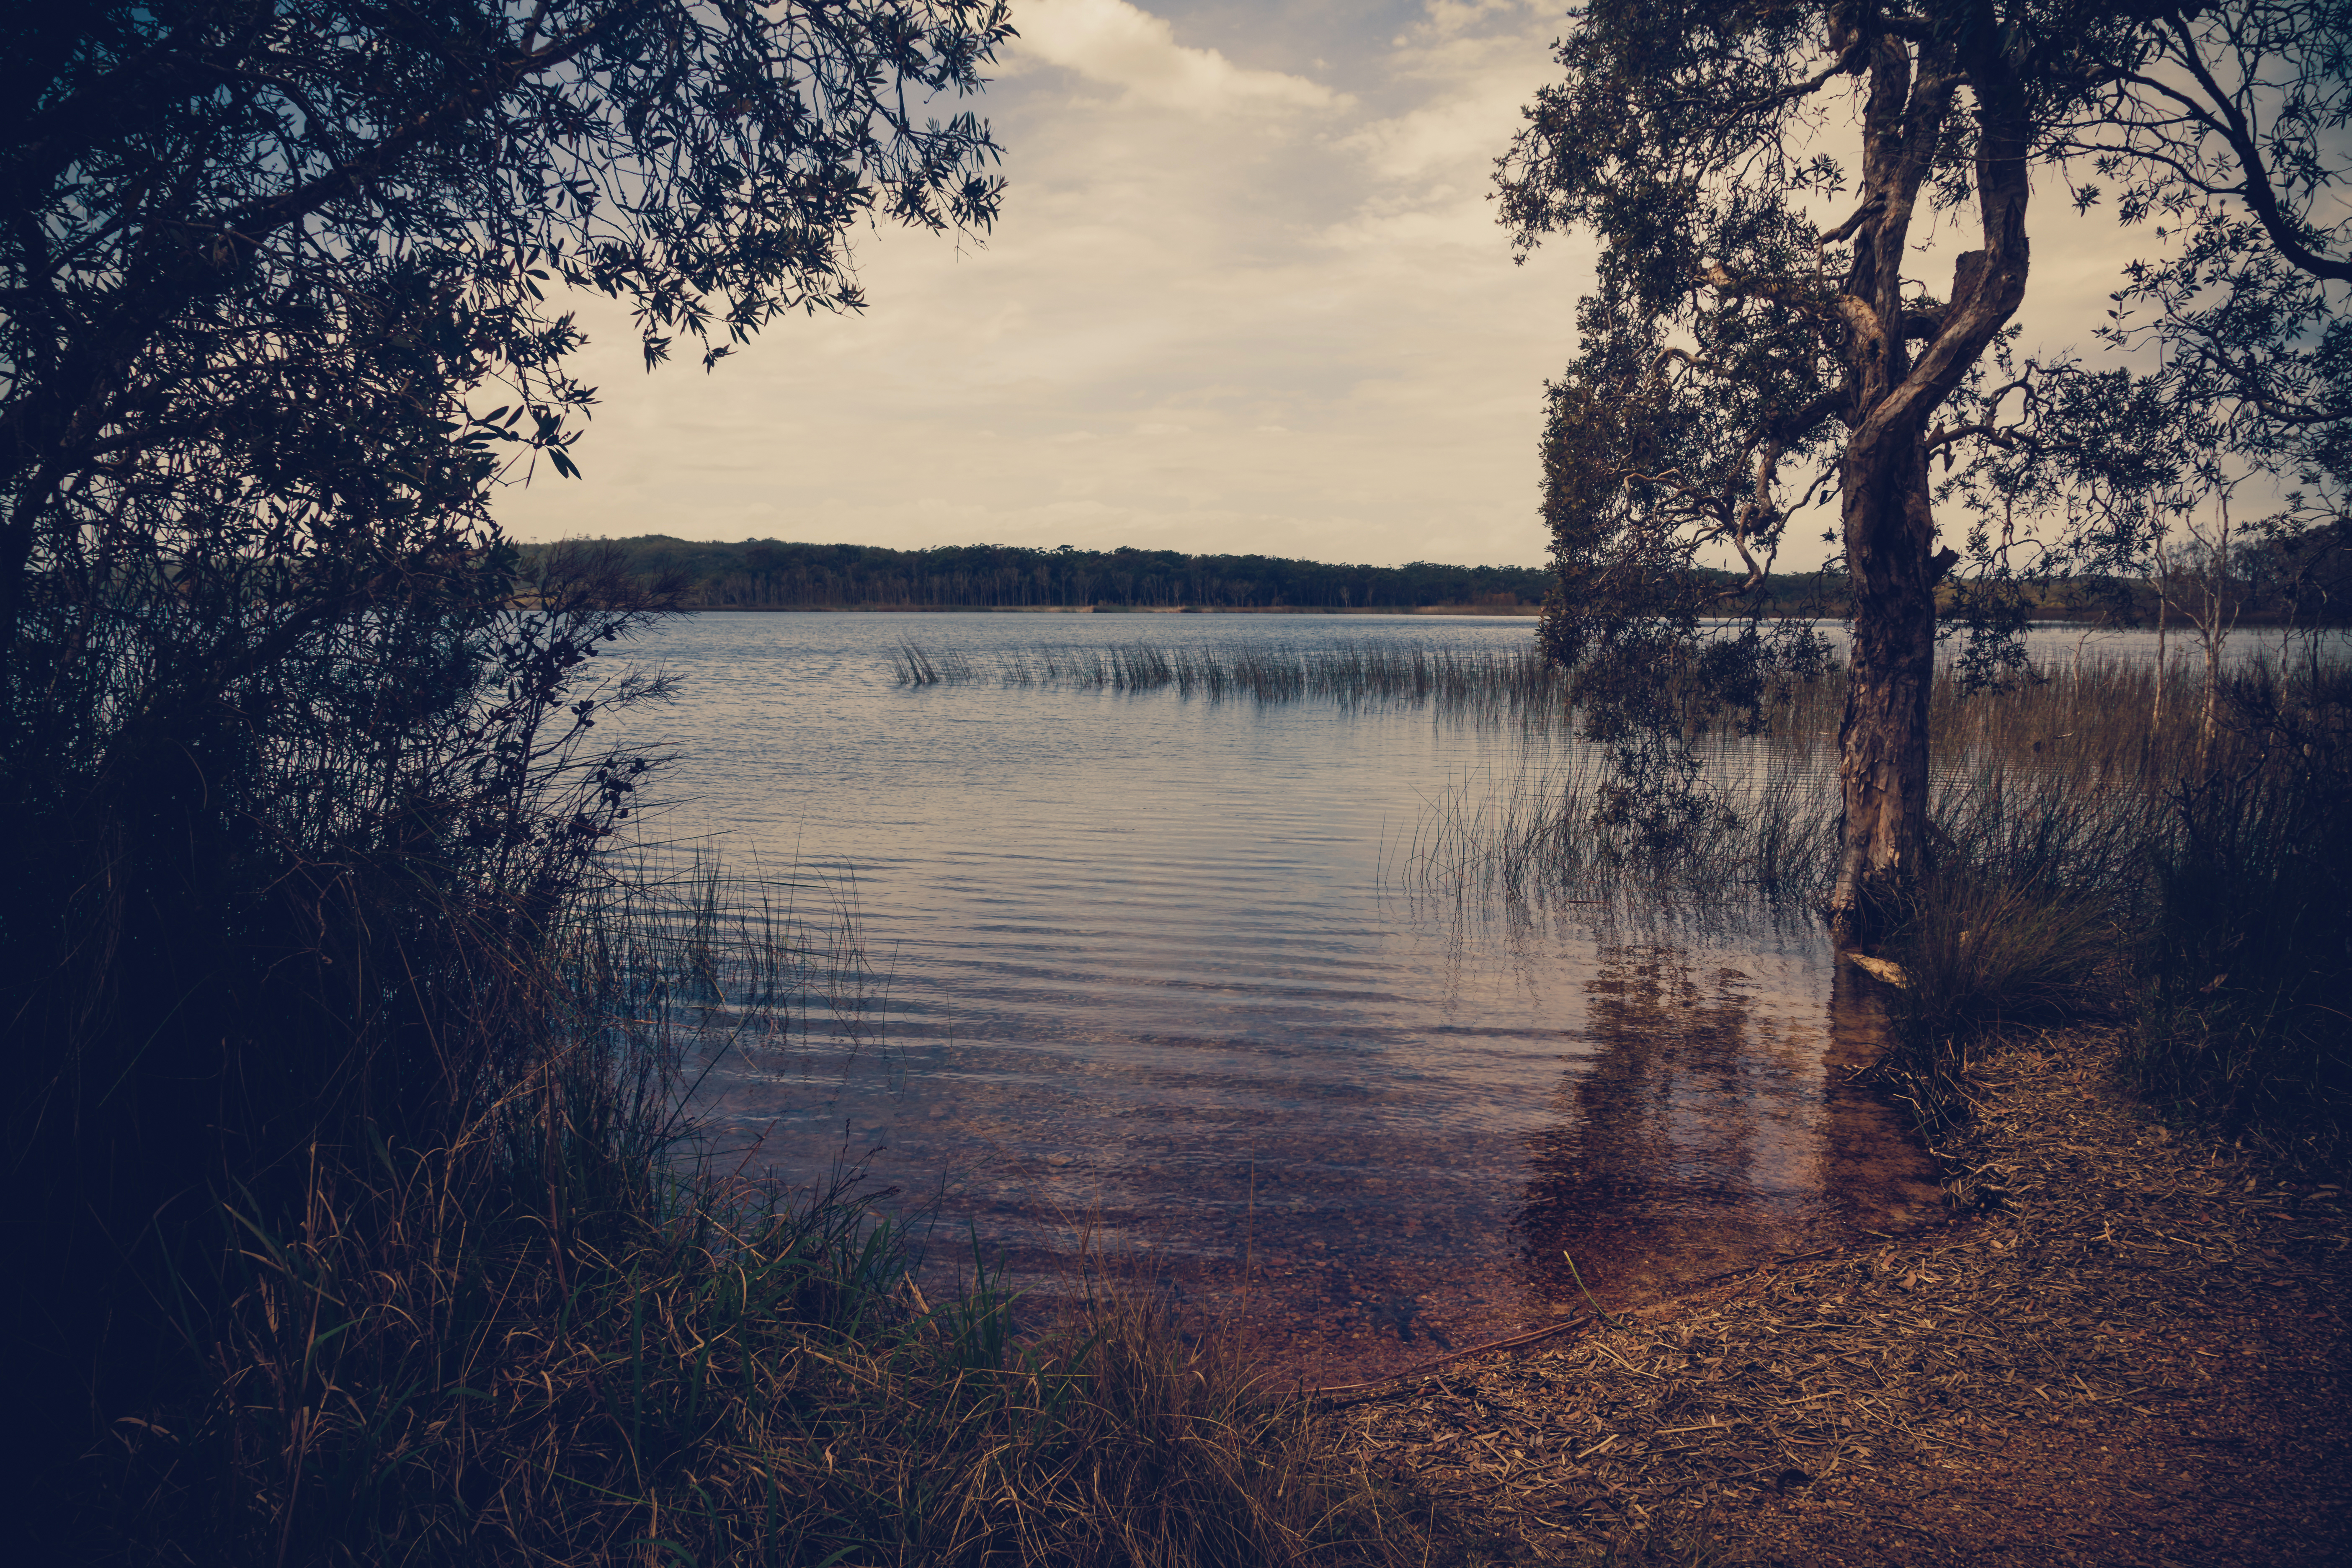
point(1890, 528)
point(1883, 743)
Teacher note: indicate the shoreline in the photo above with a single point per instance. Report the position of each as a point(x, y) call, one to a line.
point(2128, 1345)
point(2185, 637)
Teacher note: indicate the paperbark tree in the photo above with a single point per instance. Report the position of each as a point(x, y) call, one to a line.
point(1747, 352)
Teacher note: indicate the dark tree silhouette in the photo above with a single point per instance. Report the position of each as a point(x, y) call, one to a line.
point(297, 249)
point(295, 787)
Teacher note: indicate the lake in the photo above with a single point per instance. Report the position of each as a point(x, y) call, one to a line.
point(1152, 974)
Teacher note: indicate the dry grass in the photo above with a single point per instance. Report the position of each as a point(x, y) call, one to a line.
point(760, 1386)
point(2131, 1349)
point(569, 1339)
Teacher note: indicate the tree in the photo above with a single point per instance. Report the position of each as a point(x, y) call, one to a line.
point(1743, 357)
point(2224, 134)
point(299, 771)
point(295, 248)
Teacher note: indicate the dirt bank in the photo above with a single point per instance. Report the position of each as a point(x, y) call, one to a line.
point(2131, 1350)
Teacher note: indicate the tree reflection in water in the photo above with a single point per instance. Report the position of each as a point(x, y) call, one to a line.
point(1702, 1136)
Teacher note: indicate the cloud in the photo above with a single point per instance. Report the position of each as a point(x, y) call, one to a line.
point(1436, 136)
point(1113, 43)
point(1456, 18)
point(1229, 308)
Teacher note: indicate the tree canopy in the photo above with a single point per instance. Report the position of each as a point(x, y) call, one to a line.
point(280, 278)
point(769, 573)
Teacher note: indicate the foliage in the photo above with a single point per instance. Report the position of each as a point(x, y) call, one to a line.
point(272, 262)
point(2216, 132)
point(432, 1370)
point(2099, 854)
point(301, 762)
point(2242, 1016)
point(265, 927)
point(2266, 583)
point(1743, 358)
point(2224, 134)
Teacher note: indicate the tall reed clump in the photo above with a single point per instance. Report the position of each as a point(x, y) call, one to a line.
point(2178, 865)
point(427, 1371)
point(2102, 846)
point(284, 863)
point(2245, 1011)
point(578, 1336)
point(1503, 680)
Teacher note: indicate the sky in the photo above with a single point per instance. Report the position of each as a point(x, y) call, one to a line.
point(1247, 294)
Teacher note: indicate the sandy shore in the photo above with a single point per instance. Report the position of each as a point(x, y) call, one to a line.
point(2127, 1347)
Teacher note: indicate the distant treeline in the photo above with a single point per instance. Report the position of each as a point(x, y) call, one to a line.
point(764, 573)
point(2263, 585)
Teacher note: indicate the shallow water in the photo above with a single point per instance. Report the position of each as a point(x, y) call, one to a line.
point(1150, 972)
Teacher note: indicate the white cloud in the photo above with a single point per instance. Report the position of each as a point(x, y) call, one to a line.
point(1119, 45)
point(1435, 136)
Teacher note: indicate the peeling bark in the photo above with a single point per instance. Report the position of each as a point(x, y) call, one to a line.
point(1883, 742)
point(1887, 512)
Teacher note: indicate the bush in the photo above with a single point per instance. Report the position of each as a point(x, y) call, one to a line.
point(356, 1218)
point(1978, 955)
point(2245, 1007)
point(435, 1370)
point(265, 916)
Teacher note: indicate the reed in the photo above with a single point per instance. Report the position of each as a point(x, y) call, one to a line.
point(2107, 841)
point(361, 1214)
point(2068, 779)
point(581, 1334)
point(1500, 682)
point(2110, 837)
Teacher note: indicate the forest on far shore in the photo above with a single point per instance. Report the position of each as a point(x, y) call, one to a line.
point(774, 574)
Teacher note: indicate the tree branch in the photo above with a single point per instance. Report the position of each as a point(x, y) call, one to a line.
point(2257, 192)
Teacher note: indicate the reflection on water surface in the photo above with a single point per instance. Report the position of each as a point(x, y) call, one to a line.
point(1705, 1136)
point(1152, 976)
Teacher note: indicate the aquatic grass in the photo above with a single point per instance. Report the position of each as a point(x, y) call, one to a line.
point(2066, 779)
point(364, 1217)
point(1534, 835)
point(2098, 852)
point(584, 1332)
point(1504, 680)
point(2014, 766)
point(690, 961)
point(749, 1381)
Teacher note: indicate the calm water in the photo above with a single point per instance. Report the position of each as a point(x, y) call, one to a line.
point(1150, 972)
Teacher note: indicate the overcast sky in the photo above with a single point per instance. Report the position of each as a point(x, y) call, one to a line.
point(1247, 294)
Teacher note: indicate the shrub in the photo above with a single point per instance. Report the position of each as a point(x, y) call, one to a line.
point(2245, 1007)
